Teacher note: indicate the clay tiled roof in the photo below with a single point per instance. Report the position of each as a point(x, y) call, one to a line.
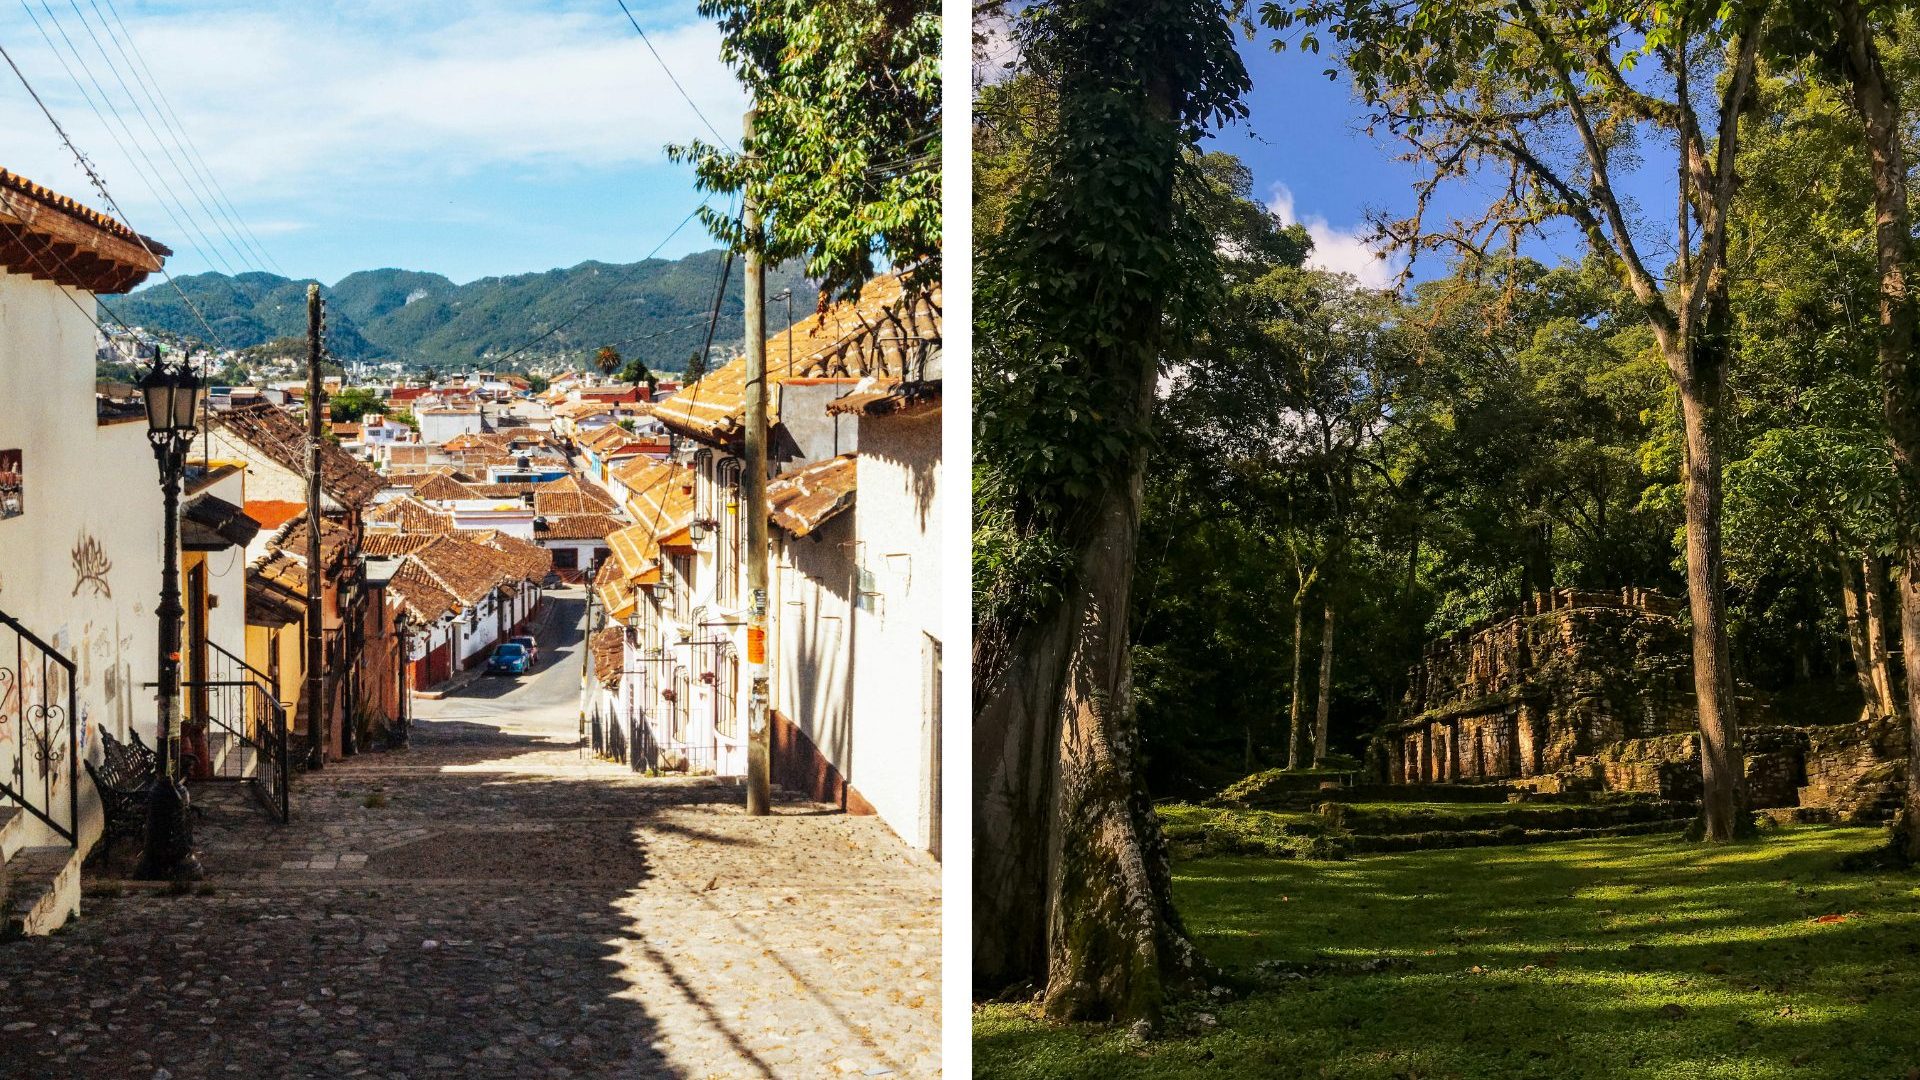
point(888, 397)
point(467, 570)
point(409, 454)
point(385, 544)
point(420, 594)
point(580, 410)
point(549, 499)
point(577, 527)
point(409, 514)
point(443, 488)
point(609, 654)
point(883, 333)
point(292, 539)
point(661, 505)
point(54, 238)
point(614, 589)
point(803, 499)
point(282, 439)
point(276, 591)
point(524, 557)
point(608, 437)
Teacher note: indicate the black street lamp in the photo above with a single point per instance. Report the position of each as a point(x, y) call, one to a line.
point(173, 396)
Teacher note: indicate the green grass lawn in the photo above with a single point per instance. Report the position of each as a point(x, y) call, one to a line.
point(1626, 957)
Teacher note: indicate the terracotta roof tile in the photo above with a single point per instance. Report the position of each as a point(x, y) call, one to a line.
point(879, 334)
point(282, 439)
point(803, 499)
point(609, 654)
point(409, 514)
point(888, 397)
point(577, 527)
point(661, 505)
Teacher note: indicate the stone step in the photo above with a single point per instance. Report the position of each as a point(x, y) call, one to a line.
point(12, 834)
point(42, 891)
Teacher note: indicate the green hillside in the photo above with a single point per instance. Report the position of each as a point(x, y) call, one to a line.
point(654, 310)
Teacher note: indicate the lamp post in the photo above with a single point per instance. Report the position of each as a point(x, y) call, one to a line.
point(173, 394)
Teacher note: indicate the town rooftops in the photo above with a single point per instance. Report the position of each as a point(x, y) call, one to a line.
point(51, 237)
point(883, 333)
point(803, 499)
point(282, 439)
point(661, 505)
point(576, 526)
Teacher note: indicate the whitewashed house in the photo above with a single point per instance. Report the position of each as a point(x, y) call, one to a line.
point(852, 723)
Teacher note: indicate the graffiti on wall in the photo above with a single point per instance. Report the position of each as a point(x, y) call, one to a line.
point(91, 567)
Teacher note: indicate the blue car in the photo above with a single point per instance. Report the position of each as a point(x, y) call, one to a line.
point(509, 659)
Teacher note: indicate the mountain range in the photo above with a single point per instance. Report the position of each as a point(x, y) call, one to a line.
point(656, 311)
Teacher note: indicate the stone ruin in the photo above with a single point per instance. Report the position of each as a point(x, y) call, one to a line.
point(1591, 692)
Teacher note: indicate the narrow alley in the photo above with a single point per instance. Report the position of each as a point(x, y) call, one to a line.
point(494, 901)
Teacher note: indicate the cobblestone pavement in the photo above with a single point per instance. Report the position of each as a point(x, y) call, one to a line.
point(494, 903)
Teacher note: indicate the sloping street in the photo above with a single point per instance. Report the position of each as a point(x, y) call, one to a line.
point(493, 901)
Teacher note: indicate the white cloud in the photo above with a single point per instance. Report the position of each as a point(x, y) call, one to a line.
point(1344, 251)
point(299, 101)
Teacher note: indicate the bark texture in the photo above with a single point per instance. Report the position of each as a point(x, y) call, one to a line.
point(1322, 699)
point(1855, 609)
point(1702, 379)
point(1873, 591)
point(1880, 113)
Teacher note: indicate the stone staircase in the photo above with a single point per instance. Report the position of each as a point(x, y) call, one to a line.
point(39, 886)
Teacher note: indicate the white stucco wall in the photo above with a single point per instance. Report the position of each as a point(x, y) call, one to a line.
point(896, 619)
point(813, 643)
point(442, 427)
point(92, 500)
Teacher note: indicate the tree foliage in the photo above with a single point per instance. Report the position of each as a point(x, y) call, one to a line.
point(845, 160)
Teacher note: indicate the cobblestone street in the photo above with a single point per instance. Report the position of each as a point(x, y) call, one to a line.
point(494, 902)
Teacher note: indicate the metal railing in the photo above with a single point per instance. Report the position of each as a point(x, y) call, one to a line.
point(39, 730)
point(236, 729)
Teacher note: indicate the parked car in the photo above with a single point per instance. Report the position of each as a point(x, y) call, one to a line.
point(532, 647)
point(509, 659)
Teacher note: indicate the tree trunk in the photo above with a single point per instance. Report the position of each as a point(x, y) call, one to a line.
point(1326, 685)
point(1702, 382)
point(1857, 637)
point(1873, 589)
point(1058, 796)
point(1880, 112)
point(1297, 744)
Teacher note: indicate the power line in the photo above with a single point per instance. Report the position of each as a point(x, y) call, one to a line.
point(672, 79)
point(147, 122)
point(100, 185)
point(608, 291)
point(145, 178)
point(157, 96)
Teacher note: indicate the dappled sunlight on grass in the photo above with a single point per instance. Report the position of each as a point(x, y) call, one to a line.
point(1621, 957)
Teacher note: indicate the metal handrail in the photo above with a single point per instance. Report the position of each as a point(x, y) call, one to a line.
point(70, 832)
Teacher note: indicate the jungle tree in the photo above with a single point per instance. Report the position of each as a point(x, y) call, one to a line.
point(1548, 96)
point(1089, 286)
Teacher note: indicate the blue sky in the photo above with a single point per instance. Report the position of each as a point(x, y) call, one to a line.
point(470, 138)
point(1313, 160)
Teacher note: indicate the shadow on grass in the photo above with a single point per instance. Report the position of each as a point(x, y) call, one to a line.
point(1631, 957)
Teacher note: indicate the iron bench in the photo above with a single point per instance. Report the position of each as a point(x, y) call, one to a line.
point(123, 777)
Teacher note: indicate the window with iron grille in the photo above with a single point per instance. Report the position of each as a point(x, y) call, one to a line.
point(726, 692)
point(728, 551)
point(682, 691)
point(703, 485)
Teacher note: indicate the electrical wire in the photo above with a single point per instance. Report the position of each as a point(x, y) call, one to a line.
point(608, 291)
point(672, 79)
point(100, 185)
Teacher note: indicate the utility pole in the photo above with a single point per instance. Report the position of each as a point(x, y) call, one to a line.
point(755, 497)
point(316, 655)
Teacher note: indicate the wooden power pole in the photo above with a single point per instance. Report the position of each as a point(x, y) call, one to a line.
point(755, 497)
point(316, 651)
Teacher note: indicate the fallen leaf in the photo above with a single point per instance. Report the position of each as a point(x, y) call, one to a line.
point(1831, 919)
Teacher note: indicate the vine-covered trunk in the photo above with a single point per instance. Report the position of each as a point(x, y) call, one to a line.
point(1702, 382)
point(1071, 873)
point(1855, 609)
point(1880, 113)
point(1873, 591)
point(1323, 692)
